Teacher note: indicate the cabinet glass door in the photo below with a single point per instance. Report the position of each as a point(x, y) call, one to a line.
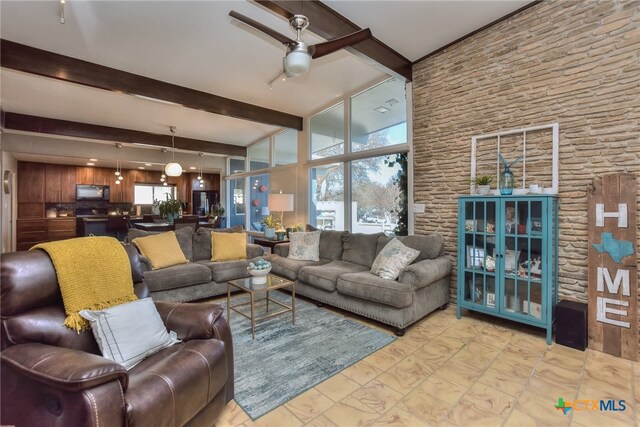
point(479, 244)
point(521, 259)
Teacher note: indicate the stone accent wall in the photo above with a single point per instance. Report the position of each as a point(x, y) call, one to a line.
point(572, 62)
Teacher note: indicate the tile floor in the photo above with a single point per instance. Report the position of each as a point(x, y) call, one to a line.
point(476, 371)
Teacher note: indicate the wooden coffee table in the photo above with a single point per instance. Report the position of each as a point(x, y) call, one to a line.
point(255, 291)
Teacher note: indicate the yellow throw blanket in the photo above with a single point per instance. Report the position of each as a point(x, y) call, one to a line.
point(93, 273)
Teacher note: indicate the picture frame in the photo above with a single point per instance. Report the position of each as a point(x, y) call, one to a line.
point(535, 225)
point(491, 299)
point(475, 257)
point(511, 260)
point(536, 309)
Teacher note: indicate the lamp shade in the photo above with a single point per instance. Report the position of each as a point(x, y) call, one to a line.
point(281, 202)
point(297, 62)
point(173, 169)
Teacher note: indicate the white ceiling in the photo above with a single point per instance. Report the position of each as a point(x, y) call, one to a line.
point(197, 45)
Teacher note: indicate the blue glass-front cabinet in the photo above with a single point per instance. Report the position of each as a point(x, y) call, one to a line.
point(507, 257)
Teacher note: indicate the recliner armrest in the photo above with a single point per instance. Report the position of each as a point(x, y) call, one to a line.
point(282, 249)
point(425, 272)
point(63, 368)
point(145, 263)
point(190, 321)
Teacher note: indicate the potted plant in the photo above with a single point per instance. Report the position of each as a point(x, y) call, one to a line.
point(169, 208)
point(216, 211)
point(270, 224)
point(483, 184)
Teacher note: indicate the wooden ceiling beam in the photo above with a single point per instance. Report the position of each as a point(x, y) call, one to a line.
point(329, 24)
point(26, 123)
point(28, 59)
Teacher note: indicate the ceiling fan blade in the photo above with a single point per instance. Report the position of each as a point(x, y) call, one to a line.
point(261, 27)
point(322, 49)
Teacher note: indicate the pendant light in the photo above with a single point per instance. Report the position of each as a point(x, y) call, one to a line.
point(118, 172)
point(200, 178)
point(172, 168)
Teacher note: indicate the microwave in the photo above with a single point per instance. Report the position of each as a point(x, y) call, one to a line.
point(92, 192)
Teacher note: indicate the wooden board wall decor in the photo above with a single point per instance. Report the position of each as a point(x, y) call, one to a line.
point(613, 266)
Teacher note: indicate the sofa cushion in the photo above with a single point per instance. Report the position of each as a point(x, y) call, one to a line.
point(304, 246)
point(326, 276)
point(162, 250)
point(360, 248)
point(224, 271)
point(228, 246)
point(184, 236)
point(169, 387)
point(202, 241)
point(289, 268)
point(330, 242)
point(177, 276)
point(369, 287)
point(430, 246)
point(392, 259)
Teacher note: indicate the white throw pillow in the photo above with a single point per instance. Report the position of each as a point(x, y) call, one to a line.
point(304, 246)
point(128, 333)
point(392, 259)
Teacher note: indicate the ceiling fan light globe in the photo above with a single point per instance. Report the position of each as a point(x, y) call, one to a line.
point(173, 169)
point(297, 62)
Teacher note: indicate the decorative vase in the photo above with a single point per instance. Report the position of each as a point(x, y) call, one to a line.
point(269, 233)
point(506, 181)
point(170, 217)
point(280, 235)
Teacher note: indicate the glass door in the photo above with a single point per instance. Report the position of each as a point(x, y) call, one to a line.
point(521, 259)
point(479, 286)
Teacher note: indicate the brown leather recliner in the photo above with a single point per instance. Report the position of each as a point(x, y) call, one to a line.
point(53, 376)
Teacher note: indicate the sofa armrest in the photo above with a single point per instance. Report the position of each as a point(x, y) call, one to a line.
point(254, 251)
point(145, 263)
point(63, 368)
point(425, 272)
point(203, 320)
point(282, 249)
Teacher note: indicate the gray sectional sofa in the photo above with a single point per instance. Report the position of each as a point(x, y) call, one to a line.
point(200, 278)
point(342, 279)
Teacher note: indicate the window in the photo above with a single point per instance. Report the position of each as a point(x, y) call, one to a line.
point(236, 165)
point(327, 133)
point(375, 195)
point(259, 199)
point(285, 148)
point(259, 156)
point(379, 116)
point(327, 197)
point(146, 194)
point(236, 212)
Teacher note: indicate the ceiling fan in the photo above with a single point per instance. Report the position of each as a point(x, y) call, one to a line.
point(299, 54)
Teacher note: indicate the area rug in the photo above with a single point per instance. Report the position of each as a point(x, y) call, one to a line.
point(286, 360)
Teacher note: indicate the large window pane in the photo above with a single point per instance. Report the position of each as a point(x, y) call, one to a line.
point(259, 156)
point(379, 116)
point(237, 202)
point(146, 194)
point(327, 133)
point(285, 148)
point(327, 197)
point(258, 200)
point(236, 165)
point(375, 195)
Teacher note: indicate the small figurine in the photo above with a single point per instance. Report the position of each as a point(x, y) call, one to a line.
point(491, 228)
point(489, 263)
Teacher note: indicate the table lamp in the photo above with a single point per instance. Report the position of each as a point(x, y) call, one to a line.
point(281, 203)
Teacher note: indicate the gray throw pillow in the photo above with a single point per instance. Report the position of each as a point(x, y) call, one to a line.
point(304, 246)
point(128, 333)
point(392, 259)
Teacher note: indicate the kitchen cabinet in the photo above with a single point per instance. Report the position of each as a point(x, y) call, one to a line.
point(85, 175)
point(30, 232)
point(507, 257)
point(61, 228)
point(31, 185)
point(60, 183)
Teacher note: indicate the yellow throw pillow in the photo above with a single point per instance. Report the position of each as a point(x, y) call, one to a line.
point(163, 250)
point(228, 246)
